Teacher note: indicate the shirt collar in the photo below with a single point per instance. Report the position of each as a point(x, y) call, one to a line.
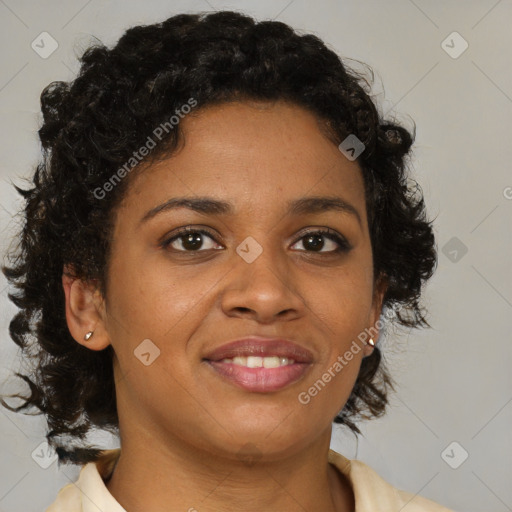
point(370, 490)
point(92, 482)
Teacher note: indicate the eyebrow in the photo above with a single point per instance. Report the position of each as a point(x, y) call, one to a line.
point(212, 206)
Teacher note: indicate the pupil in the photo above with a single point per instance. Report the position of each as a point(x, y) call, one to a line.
point(192, 241)
point(319, 241)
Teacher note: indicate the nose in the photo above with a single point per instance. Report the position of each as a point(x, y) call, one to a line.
point(265, 290)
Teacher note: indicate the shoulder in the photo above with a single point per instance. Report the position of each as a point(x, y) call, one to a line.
point(415, 503)
point(372, 493)
point(91, 484)
point(68, 500)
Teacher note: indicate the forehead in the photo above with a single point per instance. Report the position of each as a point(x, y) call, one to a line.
point(251, 153)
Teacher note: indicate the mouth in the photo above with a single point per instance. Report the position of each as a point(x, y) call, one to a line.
point(267, 348)
point(259, 364)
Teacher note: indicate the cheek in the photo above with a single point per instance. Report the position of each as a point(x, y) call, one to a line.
point(161, 302)
point(342, 303)
point(349, 320)
point(147, 297)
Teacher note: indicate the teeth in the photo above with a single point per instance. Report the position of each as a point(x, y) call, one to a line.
point(259, 362)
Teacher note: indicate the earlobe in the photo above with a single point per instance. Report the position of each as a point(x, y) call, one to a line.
point(368, 347)
point(378, 298)
point(82, 312)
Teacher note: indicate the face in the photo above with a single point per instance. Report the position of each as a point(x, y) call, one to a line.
point(259, 269)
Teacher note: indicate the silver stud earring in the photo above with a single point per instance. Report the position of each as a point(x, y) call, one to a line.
point(371, 342)
point(88, 335)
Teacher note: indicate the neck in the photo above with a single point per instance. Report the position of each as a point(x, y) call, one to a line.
point(152, 477)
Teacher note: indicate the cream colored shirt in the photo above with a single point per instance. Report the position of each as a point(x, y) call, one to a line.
point(372, 494)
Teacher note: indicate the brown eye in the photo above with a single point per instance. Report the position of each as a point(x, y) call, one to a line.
point(190, 240)
point(314, 241)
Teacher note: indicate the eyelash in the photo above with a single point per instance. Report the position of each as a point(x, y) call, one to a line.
point(344, 245)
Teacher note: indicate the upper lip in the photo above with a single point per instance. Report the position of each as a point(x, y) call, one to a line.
point(262, 347)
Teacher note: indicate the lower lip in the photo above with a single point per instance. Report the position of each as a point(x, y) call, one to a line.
point(260, 380)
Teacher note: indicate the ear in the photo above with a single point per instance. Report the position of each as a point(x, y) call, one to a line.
point(379, 290)
point(84, 310)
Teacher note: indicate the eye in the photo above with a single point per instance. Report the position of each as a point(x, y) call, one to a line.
point(190, 239)
point(313, 240)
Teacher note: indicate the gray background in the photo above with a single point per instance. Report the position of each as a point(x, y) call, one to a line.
point(455, 381)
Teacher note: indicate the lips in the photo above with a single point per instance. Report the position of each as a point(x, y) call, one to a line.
point(262, 347)
point(260, 379)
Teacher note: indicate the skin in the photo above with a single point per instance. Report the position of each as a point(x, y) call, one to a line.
point(181, 425)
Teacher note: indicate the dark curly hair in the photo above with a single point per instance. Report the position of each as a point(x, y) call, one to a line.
point(92, 126)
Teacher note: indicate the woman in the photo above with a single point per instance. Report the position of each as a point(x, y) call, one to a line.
point(219, 224)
